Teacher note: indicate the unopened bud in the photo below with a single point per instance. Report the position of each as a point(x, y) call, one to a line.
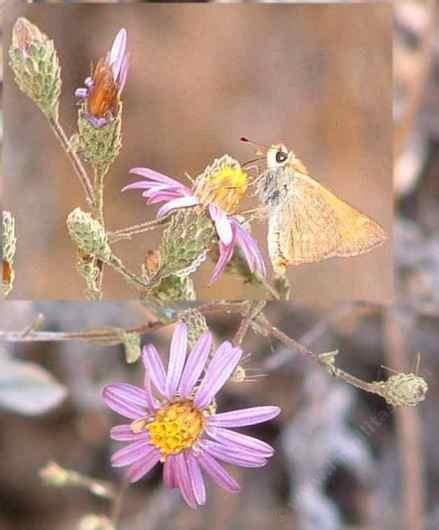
point(35, 64)
point(196, 325)
point(131, 342)
point(88, 234)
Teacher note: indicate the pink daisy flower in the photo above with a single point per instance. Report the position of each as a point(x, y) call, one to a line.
point(103, 89)
point(174, 421)
point(231, 234)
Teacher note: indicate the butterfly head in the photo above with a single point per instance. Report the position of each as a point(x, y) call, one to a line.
point(278, 156)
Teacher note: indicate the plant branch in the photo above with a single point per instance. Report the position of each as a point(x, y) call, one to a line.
point(127, 233)
point(74, 160)
point(408, 426)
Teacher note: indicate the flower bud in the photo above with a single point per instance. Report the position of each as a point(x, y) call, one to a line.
point(185, 242)
point(34, 61)
point(196, 325)
point(172, 288)
point(88, 234)
point(100, 146)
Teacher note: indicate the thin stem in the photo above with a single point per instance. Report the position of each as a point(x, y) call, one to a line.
point(127, 233)
point(409, 430)
point(254, 309)
point(117, 265)
point(117, 503)
point(74, 159)
point(273, 331)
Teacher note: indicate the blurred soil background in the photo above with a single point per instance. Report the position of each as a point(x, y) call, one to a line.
point(317, 78)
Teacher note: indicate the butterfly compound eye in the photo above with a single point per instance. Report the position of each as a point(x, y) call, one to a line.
point(281, 157)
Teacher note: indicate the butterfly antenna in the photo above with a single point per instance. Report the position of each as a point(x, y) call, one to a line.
point(261, 148)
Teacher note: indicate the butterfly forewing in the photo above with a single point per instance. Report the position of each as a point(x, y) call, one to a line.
point(312, 224)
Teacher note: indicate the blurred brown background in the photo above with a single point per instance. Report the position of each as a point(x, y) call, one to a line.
point(315, 77)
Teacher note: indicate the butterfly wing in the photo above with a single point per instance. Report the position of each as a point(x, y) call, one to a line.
point(312, 224)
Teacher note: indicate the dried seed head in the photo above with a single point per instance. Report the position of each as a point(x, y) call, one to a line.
point(88, 234)
point(35, 63)
point(404, 390)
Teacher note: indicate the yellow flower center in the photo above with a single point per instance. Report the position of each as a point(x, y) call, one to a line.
point(175, 427)
point(224, 183)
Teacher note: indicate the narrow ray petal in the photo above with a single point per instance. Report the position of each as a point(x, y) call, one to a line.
point(226, 253)
point(118, 52)
point(244, 417)
point(153, 364)
point(169, 472)
point(183, 480)
point(219, 371)
point(131, 453)
point(238, 441)
point(118, 402)
point(218, 473)
point(155, 176)
point(123, 433)
point(177, 357)
point(181, 202)
point(141, 468)
point(195, 364)
point(196, 478)
point(227, 454)
point(222, 224)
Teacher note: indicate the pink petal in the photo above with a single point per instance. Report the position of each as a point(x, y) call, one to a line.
point(181, 202)
point(123, 433)
point(196, 478)
point(117, 52)
point(227, 454)
point(226, 253)
point(118, 400)
point(177, 357)
point(153, 364)
point(152, 402)
point(131, 453)
point(222, 224)
point(239, 442)
point(218, 473)
point(244, 417)
point(169, 472)
point(250, 249)
point(141, 468)
point(183, 480)
point(195, 364)
point(220, 369)
point(123, 73)
point(156, 176)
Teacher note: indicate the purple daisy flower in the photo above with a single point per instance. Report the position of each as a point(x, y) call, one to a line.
point(160, 188)
point(177, 424)
point(102, 91)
